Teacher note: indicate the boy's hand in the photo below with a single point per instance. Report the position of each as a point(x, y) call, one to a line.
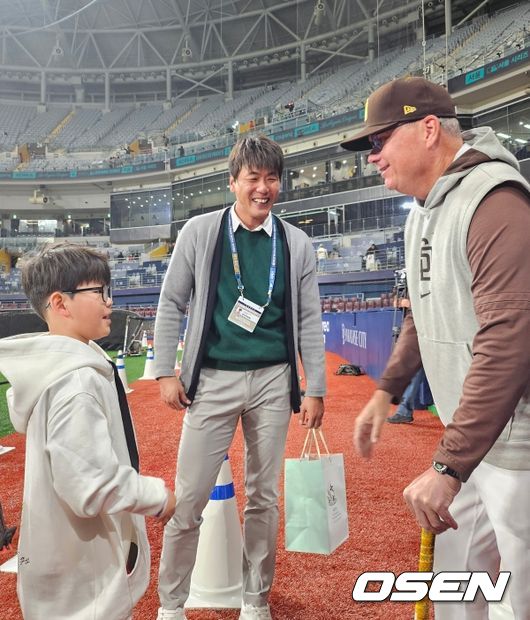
point(169, 510)
point(172, 393)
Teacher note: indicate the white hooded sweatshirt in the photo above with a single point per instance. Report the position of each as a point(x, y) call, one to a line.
point(83, 502)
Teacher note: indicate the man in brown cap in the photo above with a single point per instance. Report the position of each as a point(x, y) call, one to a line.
point(467, 259)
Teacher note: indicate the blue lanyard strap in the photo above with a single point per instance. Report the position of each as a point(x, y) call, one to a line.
point(235, 259)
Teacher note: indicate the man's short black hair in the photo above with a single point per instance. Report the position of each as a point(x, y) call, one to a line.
point(258, 153)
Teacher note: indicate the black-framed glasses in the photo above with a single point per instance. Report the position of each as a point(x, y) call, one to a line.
point(104, 291)
point(379, 140)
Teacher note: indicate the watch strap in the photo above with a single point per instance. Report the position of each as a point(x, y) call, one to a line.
point(441, 468)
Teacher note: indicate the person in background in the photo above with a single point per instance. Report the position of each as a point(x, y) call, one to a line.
point(6, 533)
point(405, 412)
point(370, 258)
point(466, 241)
point(251, 282)
point(322, 257)
point(83, 552)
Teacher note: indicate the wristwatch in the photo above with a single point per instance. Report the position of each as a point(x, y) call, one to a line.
point(445, 469)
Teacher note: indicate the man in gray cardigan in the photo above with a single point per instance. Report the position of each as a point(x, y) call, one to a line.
point(250, 280)
point(466, 251)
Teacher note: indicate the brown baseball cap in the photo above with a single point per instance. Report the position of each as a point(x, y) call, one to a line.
point(400, 101)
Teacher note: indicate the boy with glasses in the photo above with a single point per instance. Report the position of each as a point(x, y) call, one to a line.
point(83, 551)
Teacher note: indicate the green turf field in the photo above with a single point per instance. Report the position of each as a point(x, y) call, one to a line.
point(5, 424)
point(133, 365)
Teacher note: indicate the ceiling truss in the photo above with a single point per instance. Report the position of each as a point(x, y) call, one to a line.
point(192, 40)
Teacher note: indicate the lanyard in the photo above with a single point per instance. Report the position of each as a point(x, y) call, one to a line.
point(235, 259)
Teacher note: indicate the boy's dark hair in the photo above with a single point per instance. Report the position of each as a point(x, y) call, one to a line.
point(256, 152)
point(61, 267)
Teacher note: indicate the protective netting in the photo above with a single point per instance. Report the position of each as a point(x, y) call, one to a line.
point(135, 326)
point(126, 326)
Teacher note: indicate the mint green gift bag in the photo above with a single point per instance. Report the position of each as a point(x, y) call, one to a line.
point(316, 517)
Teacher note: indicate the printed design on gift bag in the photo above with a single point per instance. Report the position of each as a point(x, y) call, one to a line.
point(332, 498)
point(335, 513)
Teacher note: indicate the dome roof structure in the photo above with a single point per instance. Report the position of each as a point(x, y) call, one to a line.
point(197, 46)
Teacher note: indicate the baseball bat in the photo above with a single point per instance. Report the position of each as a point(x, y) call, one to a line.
point(425, 564)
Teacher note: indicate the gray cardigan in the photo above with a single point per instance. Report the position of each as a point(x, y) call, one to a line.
point(192, 277)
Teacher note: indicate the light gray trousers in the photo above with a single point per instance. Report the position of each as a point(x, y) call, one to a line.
point(261, 399)
point(492, 511)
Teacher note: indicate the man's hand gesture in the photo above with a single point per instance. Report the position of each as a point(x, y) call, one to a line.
point(369, 422)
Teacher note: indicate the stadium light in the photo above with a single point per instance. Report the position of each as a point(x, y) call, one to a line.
point(38, 198)
point(319, 11)
point(186, 52)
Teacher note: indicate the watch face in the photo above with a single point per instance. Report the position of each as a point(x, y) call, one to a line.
point(440, 467)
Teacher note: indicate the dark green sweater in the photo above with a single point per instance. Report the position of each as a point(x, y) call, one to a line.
point(228, 346)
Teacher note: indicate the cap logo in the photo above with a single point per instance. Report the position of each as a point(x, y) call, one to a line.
point(366, 111)
point(409, 109)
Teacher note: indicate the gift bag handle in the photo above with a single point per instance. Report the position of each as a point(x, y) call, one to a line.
point(310, 438)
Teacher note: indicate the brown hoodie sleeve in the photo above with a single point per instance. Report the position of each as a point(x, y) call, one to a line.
point(498, 248)
point(404, 362)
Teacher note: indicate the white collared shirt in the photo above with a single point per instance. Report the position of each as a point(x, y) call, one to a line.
point(236, 222)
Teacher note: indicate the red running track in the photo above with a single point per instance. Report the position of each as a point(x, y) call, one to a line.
point(383, 536)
